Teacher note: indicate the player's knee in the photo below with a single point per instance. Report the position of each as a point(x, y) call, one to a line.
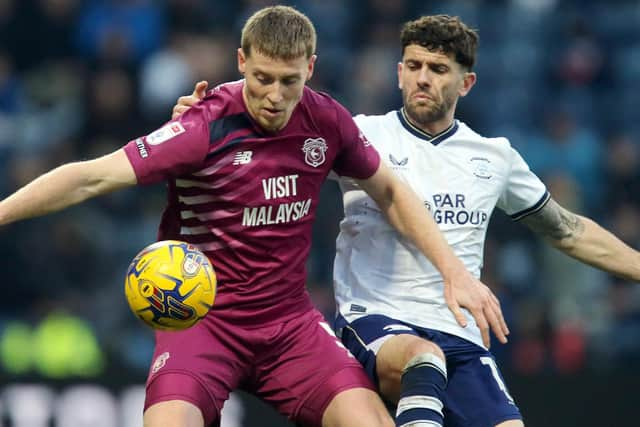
point(422, 347)
point(173, 413)
point(426, 360)
point(356, 407)
point(177, 399)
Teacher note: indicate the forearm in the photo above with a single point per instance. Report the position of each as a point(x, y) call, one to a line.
point(68, 185)
point(601, 249)
point(412, 220)
point(53, 191)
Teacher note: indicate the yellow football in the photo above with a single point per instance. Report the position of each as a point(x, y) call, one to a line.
point(170, 285)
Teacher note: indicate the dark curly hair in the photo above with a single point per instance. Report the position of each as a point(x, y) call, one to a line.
point(444, 33)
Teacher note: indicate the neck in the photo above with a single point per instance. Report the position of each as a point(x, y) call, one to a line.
point(432, 128)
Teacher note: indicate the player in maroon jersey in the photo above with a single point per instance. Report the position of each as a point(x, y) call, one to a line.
point(244, 169)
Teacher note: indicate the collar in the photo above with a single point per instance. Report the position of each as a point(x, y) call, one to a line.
point(433, 139)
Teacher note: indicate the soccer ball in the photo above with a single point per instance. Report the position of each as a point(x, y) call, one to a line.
point(170, 285)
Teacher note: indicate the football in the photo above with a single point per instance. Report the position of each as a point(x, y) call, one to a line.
point(170, 285)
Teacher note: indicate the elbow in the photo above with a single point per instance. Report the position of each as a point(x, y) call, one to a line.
point(569, 244)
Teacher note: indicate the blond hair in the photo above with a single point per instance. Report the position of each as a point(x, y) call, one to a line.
point(279, 32)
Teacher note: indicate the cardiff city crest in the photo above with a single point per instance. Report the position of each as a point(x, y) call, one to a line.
point(314, 149)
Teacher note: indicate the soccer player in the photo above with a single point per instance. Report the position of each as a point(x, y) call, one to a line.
point(244, 168)
point(392, 315)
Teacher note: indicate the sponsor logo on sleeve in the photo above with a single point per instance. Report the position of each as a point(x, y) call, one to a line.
point(314, 149)
point(141, 148)
point(165, 133)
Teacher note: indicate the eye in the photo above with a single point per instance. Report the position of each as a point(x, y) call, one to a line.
point(413, 66)
point(440, 69)
point(290, 81)
point(263, 79)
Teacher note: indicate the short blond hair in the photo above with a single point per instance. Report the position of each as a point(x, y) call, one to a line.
point(279, 32)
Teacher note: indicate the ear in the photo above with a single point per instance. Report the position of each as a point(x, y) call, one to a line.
point(468, 81)
point(399, 75)
point(242, 61)
point(312, 62)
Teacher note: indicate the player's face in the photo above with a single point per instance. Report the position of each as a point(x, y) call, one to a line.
point(273, 87)
point(431, 83)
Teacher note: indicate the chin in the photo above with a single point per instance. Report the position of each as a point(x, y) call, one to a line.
point(271, 126)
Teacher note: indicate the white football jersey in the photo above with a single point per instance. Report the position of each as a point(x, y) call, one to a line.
point(461, 176)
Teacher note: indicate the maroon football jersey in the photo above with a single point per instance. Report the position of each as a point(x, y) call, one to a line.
point(246, 197)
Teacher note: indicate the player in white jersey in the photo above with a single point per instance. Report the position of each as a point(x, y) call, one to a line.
point(461, 176)
point(392, 313)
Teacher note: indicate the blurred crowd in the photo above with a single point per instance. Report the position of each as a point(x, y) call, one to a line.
point(79, 79)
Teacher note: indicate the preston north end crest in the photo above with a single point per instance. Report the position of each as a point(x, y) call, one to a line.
point(314, 149)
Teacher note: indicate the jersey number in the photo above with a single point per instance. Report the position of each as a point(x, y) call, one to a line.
point(488, 361)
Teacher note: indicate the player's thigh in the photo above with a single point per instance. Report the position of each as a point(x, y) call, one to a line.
point(367, 339)
point(305, 367)
point(393, 356)
point(476, 393)
point(200, 365)
point(173, 413)
point(357, 407)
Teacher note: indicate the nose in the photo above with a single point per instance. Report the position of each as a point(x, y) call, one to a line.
point(275, 94)
point(424, 79)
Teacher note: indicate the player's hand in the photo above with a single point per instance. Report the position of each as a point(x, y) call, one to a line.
point(186, 102)
point(466, 291)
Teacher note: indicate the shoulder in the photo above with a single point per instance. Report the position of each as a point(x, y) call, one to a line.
point(230, 90)
point(313, 98)
point(219, 112)
point(326, 115)
point(498, 142)
point(374, 123)
point(224, 99)
point(322, 106)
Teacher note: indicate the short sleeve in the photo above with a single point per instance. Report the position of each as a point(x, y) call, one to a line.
point(524, 193)
point(178, 147)
point(357, 158)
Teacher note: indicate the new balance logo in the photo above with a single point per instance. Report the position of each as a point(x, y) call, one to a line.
point(242, 157)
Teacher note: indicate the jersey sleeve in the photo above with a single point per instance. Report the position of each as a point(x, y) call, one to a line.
point(524, 193)
point(358, 158)
point(178, 147)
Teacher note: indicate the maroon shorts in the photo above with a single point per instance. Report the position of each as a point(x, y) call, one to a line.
point(297, 366)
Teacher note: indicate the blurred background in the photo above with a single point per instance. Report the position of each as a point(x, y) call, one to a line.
point(79, 79)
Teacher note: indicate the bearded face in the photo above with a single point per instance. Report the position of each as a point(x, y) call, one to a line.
point(431, 82)
point(426, 106)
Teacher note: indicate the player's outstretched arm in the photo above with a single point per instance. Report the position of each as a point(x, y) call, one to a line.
point(584, 240)
point(411, 219)
point(68, 185)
